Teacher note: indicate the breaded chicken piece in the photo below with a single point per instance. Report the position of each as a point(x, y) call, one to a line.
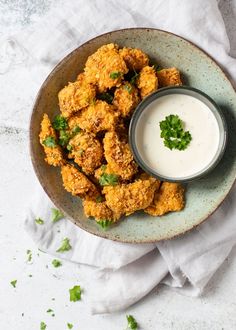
point(76, 182)
point(118, 155)
point(126, 99)
point(170, 197)
point(76, 96)
point(98, 117)
point(147, 81)
point(105, 67)
point(128, 198)
point(100, 211)
point(135, 59)
point(169, 77)
point(87, 152)
point(54, 155)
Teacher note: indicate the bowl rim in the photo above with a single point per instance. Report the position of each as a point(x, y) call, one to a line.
point(31, 134)
point(172, 90)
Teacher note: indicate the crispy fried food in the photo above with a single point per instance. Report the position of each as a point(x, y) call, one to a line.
point(76, 96)
point(169, 77)
point(105, 67)
point(118, 155)
point(134, 58)
point(54, 155)
point(128, 198)
point(87, 152)
point(105, 168)
point(76, 182)
point(170, 197)
point(98, 117)
point(147, 81)
point(126, 99)
point(100, 211)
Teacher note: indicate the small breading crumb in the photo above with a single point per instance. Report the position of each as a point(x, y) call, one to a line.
point(126, 99)
point(99, 211)
point(147, 81)
point(54, 155)
point(76, 96)
point(105, 67)
point(169, 198)
point(135, 58)
point(169, 77)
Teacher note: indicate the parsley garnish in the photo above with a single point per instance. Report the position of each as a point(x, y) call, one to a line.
point(104, 223)
point(99, 199)
point(132, 324)
point(49, 310)
point(43, 326)
point(69, 325)
point(13, 283)
point(106, 97)
point(50, 142)
point(56, 215)
point(39, 221)
point(157, 67)
point(56, 263)
point(173, 133)
point(115, 74)
point(69, 147)
point(128, 88)
point(108, 179)
point(75, 293)
point(134, 78)
point(59, 123)
point(65, 245)
point(29, 254)
point(64, 138)
point(76, 130)
point(103, 167)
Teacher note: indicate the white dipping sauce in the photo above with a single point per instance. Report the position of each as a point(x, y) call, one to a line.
point(197, 118)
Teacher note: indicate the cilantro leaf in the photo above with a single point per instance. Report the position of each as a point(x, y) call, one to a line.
point(64, 138)
point(132, 324)
point(65, 245)
point(60, 123)
point(115, 74)
point(106, 97)
point(75, 293)
point(56, 215)
point(108, 179)
point(104, 223)
point(13, 283)
point(128, 88)
point(69, 325)
point(43, 326)
point(50, 142)
point(39, 221)
point(56, 263)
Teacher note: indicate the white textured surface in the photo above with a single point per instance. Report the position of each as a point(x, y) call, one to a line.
point(163, 309)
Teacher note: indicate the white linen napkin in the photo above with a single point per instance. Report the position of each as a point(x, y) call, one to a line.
point(124, 272)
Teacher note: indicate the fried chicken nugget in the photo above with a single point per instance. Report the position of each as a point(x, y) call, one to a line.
point(126, 99)
point(105, 67)
point(128, 198)
point(76, 96)
point(147, 81)
point(87, 152)
point(169, 77)
point(76, 182)
point(170, 197)
point(98, 117)
point(100, 211)
point(54, 155)
point(118, 155)
point(135, 59)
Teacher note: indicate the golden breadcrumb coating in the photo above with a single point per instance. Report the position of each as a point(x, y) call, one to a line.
point(87, 152)
point(118, 155)
point(128, 198)
point(100, 211)
point(170, 197)
point(169, 77)
point(126, 99)
point(98, 117)
point(135, 59)
point(105, 67)
point(147, 81)
point(76, 182)
point(54, 155)
point(76, 96)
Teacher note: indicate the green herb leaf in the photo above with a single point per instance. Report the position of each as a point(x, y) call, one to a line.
point(132, 324)
point(13, 283)
point(173, 133)
point(56, 215)
point(99, 199)
point(39, 221)
point(103, 167)
point(134, 78)
point(108, 179)
point(157, 67)
point(69, 325)
point(69, 147)
point(106, 97)
point(43, 326)
point(64, 138)
point(75, 293)
point(29, 255)
point(60, 123)
point(65, 245)
point(128, 88)
point(50, 142)
point(104, 223)
point(49, 310)
point(115, 74)
point(76, 130)
point(56, 263)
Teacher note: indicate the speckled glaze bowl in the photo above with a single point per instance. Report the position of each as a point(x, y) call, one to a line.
point(202, 196)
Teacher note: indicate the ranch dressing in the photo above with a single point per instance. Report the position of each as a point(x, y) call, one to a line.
point(197, 118)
